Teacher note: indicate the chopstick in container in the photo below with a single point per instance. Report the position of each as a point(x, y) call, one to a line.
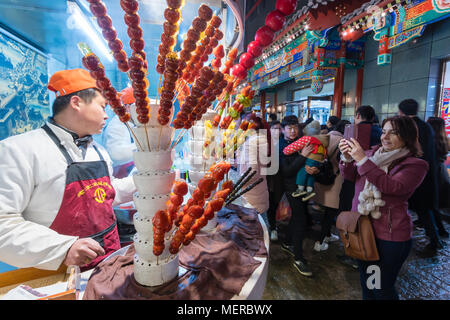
point(250, 187)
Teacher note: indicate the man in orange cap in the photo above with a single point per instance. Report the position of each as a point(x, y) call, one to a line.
point(118, 140)
point(56, 192)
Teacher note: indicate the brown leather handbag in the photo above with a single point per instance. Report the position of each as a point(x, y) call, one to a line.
point(357, 235)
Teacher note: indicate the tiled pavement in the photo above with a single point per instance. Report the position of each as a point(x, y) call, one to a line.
point(420, 278)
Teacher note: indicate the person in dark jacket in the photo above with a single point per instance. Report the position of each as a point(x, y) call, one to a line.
point(363, 115)
point(289, 166)
point(424, 200)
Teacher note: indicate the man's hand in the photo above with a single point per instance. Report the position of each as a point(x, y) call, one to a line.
point(307, 149)
point(311, 170)
point(83, 251)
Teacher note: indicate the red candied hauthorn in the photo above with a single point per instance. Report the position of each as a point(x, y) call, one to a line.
point(158, 250)
point(120, 55)
point(198, 195)
point(172, 15)
point(193, 34)
point(123, 66)
point(167, 40)
point(210, 30)
point(206, 184)
point(216, 204)
point(116, 103)
point(160, 68)
point(120, 112)
point(176, 199)
point(189, 45)
point(175, 4)
point(97, 74)
point(202, 222)
point(162, 120)
point(129, 6)
point(194, 230)
point(205, 41)
point(91, 62)
point(185, 55)
point(187, 125)
point(143, 85)
point(143, 119)
point(163, 50)
point(205, 12)
point(169, 28)
point(98, 9)
point(219, 52)
point(125, 118)
point(187, 221)
point(174, 250)
point(135, 32)
point(209, 212)
point(109, 93)
point(131, 19)
point(160, 220)
point(167, 95)
point(109, 34)
point(104, 22)
point(135, 62)
point(199, 24)
point(188, 238)
point(164, 112)
point(195, 211)
point(227, 185)
point(206, 73)
point(177, 124)
point(215, 21)
point(137, 44)
point(137, 75)
point(140, 94)
point(204, 57)
point(218, 34)
point(213, 43)
point(115, 45)
point(181, 116)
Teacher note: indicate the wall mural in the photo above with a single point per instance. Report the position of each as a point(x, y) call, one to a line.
point(24, 103)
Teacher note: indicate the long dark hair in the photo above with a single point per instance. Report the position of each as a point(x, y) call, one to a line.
point(261, 124)
point(407, 131)
point(440, 138)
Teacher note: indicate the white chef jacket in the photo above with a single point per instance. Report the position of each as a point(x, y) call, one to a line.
point(32, 184)
point(118, 143)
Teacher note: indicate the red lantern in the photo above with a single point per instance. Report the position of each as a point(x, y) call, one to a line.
point(254, 49)
point(247, 60)
point(264, 36)
point(287, 7)
point(275, 20)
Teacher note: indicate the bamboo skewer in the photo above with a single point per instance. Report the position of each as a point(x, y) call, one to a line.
point(135, 138)
point(146, 134)
point(159, 88)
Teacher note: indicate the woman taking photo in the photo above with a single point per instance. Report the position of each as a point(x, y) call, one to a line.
point(385, 177)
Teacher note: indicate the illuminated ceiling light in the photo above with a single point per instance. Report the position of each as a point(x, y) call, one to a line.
point(84, 24)
point(306, 27)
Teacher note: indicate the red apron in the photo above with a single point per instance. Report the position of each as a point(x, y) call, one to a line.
point(86, 209)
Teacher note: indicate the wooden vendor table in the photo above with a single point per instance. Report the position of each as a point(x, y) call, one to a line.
point(252, 289)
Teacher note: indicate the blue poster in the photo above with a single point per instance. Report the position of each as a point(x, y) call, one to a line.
point(24, 104)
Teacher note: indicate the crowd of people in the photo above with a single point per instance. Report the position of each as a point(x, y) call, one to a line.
point(401, 170)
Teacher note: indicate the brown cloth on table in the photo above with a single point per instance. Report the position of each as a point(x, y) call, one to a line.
point(218, 263)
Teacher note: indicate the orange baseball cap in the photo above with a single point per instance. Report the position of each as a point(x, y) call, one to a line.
point(126, 95)
point(65, 82)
